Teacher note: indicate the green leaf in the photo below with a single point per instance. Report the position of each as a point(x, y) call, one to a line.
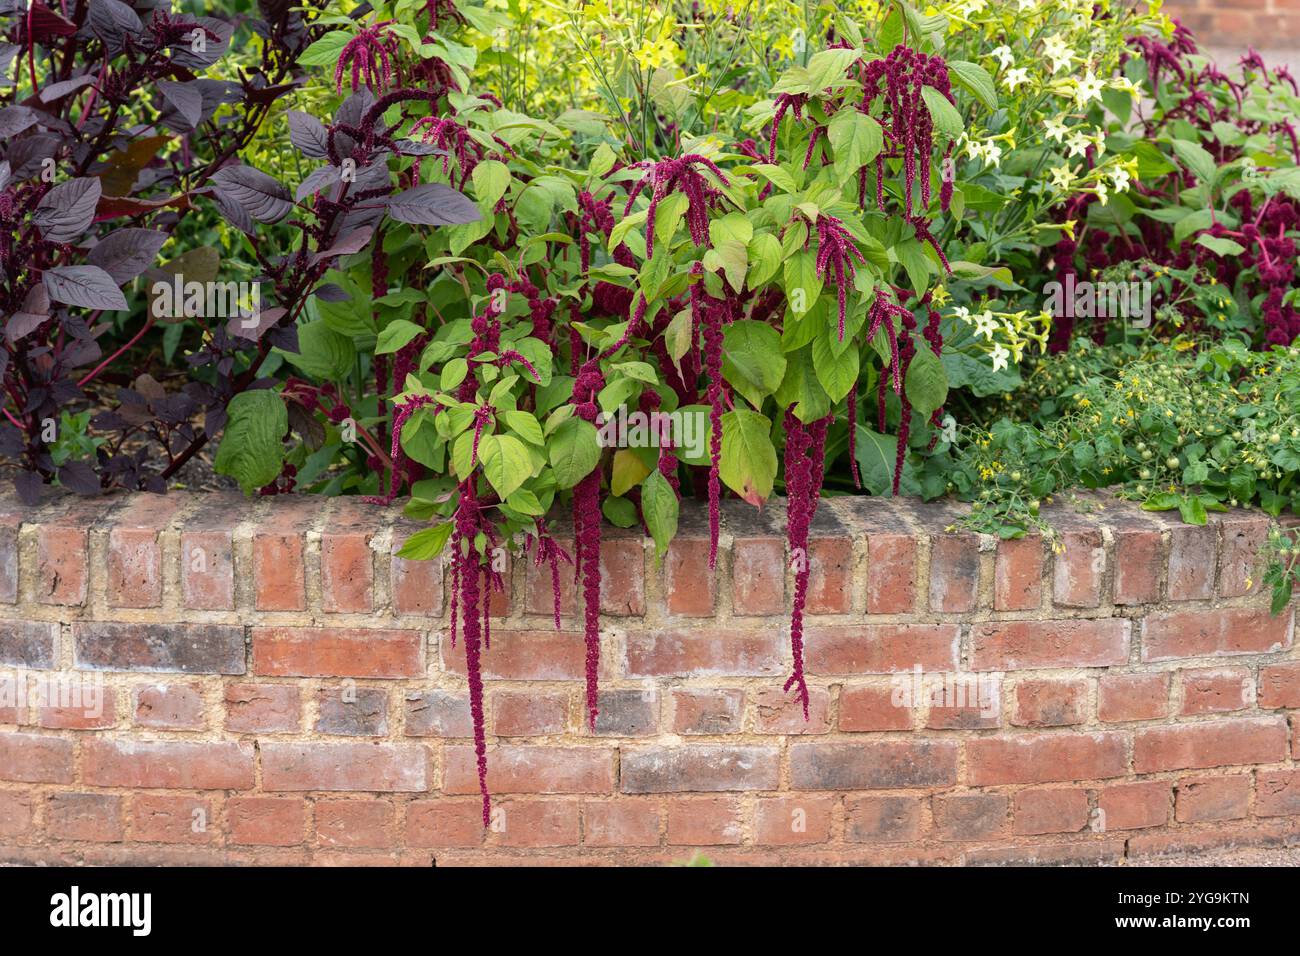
point(876, 457)
point(659, 509)
point(252, 449)
point(947, 121)
point(322, 352)
point(748, 465)
point(1196, 159)
point(926, 384)
point(976, 79)
point(751, 359)
point(835, 372)
point(1281, 596)
point(856, 140)
point(427, 543)
point(1220, 246)
point(524, 425)
point(525, 502)
point(764, 258)
point(326, 50)
point(1192, 510)
point(491, 179)
point(573, 451)
point(620, 511)
point(802, 284)
point(1192, 222)
point(395, 334)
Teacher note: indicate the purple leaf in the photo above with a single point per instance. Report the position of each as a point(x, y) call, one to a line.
point(433, 204)
point(308, 135)
point(28, 154)
point(318, 180)
point(186, 98)
point(87, 286)
point(56, 91)
point(346, 244)
point(28, 484)
point(246, 194)
point(79, 477)
point(67, 210)
point(127, 252)
point(15, 119)
point(34, 313)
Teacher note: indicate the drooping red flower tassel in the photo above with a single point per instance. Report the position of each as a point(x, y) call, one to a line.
point(804, 464)
point(466, 587)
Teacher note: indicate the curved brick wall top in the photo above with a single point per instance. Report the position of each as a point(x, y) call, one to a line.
point(263, 681)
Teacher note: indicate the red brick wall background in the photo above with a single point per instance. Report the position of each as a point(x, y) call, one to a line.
point(1236, 24)
point(277, 688)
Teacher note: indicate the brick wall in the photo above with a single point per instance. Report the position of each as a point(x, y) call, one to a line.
point(1236, 24)
point(274, 686)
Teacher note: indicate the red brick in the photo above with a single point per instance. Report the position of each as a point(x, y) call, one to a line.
point(135, 553)
point(180, 648)
point(627, 712)
point(337, 652)
point(1279, 686)
point(622, 576)
point(352, 711)
point(208, 570)
point(526, 655)
point(1218, 743)
point(347, 572)
point(704, 821)
point(531, 769)
point(1045, 758)
point(1137, 566)
point(873, 765)
point(779, 712)
point(62, 562)
point(891, 573)
point(793, 820)
point(698, 767)
point(1205, 799)
point(1191, 561)
point(954, 572)
point(32, 758)
point(416, 585)
point(13, 706)
point(1277, 793)
point(708, 652)
point(79, 705)
point(758, 576)
point(444, 823)
point(529, 715)
point(873, 707)
point(1018, 574)
point(539, 594)
point(1214, 633)
point(536, 823)
point(1217, 690)
point(881, 648)
point(830, 576)
point(344, 767)
point(1239, 570)
point(1133, 806)
point(689, 583)
point(961, 702)
point(279, 555)
point(1123, 697)
point(167, 764)
point(882, 819)
point(1050, 811)
point(262, 708)
point(620, 823)
point(438, 713)
point(9, 525)
point(1077, 571)
point(266, 821)
point(170, 706)
point(1018, 645)
point(15, 814)
point(1050, 703)
point(171, 819)
point(970, 816)
point(88, 817)
point(707, 711)
point(28, 643)
point(354, 823)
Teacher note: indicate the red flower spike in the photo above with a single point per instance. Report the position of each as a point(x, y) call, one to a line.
point(836, 251)
point(669, 175)
point(370, 54)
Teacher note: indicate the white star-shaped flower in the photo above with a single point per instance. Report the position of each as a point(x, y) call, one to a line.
point(1102, 193)
point(1056, 130)
point(1078, 144)
point(1119, 177)
point(1015, 77)
point(1062, 176)
point(1000, 356)
point(986, 324)
point(1087, 89)
point(1004, 56)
